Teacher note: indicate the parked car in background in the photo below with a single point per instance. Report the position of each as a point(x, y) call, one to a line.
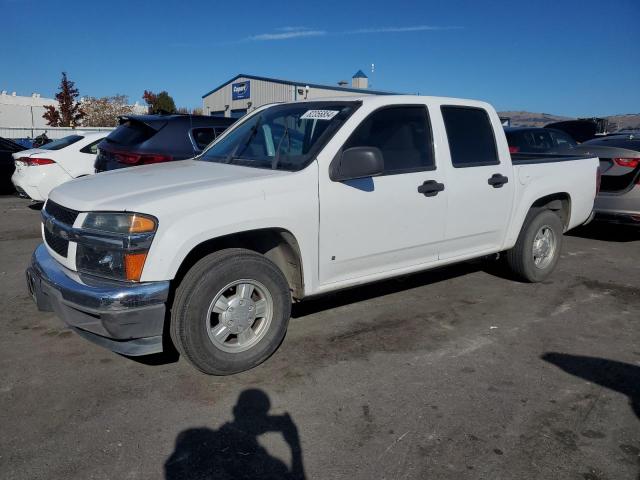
point(24, 142)
point(7, 149)
point(582, 129)
point(295, 200)
point(38, 170)
point(539, 140)
point(145, 139)
point(619, 198)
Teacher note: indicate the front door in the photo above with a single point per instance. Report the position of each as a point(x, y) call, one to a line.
point(374, 225)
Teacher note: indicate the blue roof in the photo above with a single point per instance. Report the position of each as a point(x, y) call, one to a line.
point(359, 74)
point(312, 85)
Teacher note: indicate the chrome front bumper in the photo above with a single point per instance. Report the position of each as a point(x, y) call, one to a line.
point(127, 318)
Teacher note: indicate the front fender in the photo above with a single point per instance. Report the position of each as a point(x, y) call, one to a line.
point(292, 207)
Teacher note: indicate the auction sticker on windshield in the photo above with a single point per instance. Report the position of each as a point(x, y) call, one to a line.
point(319, 114)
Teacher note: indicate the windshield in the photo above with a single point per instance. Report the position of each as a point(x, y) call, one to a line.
point(283, 137)
point(61, 143)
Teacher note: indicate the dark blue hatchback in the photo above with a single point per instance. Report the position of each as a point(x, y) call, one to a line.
point(145, 139)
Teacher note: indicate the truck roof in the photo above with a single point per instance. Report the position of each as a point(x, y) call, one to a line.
point(381, 100)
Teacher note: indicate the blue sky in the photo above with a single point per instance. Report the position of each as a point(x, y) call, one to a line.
point(564, 57)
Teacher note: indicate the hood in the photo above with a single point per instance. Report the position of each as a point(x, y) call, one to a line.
point(138, 188)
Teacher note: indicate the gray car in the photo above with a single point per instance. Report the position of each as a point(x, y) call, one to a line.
point(619, 197)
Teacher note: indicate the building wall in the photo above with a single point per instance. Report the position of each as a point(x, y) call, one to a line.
point(52, 132)
point(263, 92)
point(328, 93)
point(17, 111)
point(22, 111)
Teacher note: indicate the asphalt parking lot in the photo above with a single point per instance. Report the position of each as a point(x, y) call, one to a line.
point(451, 374)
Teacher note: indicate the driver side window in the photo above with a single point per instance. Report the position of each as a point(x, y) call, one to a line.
point(403, 135)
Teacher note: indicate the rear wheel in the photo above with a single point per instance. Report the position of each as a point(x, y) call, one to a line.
point(231, 311)
point(537, 249)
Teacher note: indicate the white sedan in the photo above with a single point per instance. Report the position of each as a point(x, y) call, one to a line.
point(39, 170)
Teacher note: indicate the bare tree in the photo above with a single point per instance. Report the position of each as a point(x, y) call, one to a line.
point(104, 112)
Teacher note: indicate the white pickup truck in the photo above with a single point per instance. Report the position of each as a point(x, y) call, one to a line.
point(296, 199)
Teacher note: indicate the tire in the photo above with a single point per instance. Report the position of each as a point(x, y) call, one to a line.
point(520, 259)
point(199, 328)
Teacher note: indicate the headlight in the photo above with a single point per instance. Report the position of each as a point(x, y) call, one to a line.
point(120, 223)
point(115, 244)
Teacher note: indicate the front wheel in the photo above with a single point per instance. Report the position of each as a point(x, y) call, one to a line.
point(537, 249)
point(230, 312)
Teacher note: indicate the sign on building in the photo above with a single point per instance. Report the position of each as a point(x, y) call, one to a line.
point(241, 90)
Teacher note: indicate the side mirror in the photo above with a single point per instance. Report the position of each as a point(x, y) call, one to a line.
point(357, 162)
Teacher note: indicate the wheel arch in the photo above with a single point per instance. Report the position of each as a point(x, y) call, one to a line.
point(277, 244)
point(558, 202)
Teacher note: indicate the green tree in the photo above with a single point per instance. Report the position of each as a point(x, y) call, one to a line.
point(159, 102)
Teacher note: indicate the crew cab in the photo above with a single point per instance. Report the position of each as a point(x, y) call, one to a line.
point(295, 200)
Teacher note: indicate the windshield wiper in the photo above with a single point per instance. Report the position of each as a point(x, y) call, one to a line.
point(276, 158)
point(236, 152)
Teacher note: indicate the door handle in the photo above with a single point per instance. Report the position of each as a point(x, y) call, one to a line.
point(430, 188)
point(497, 180)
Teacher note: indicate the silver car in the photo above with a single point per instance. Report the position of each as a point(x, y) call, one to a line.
point(619, 197)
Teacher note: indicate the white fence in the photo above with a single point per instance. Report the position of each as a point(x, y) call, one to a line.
point(52, 132)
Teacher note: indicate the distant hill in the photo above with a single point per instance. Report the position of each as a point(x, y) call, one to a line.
point(532, 119)
point(626, 122)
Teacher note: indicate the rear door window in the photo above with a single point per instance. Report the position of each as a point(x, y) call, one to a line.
point(92, 148)
point(219, 130)
point(403, 135)
point(203, 136)
point(471, 139)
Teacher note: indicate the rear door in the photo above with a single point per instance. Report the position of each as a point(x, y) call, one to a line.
point(80, 161)
point(374, 225)
point(480, 187)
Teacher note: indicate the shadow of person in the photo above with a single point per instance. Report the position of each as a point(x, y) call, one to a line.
point(233, 451)
point(618, 376)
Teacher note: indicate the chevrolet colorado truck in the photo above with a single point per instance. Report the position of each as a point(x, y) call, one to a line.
point(296, 200)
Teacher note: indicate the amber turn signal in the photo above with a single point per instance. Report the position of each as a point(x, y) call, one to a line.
point(133, 265)
point(140, 224)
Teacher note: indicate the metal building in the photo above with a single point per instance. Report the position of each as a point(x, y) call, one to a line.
point(244, 93)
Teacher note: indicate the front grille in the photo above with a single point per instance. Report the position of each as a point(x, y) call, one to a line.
point(62, 214)
point(57, 244)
